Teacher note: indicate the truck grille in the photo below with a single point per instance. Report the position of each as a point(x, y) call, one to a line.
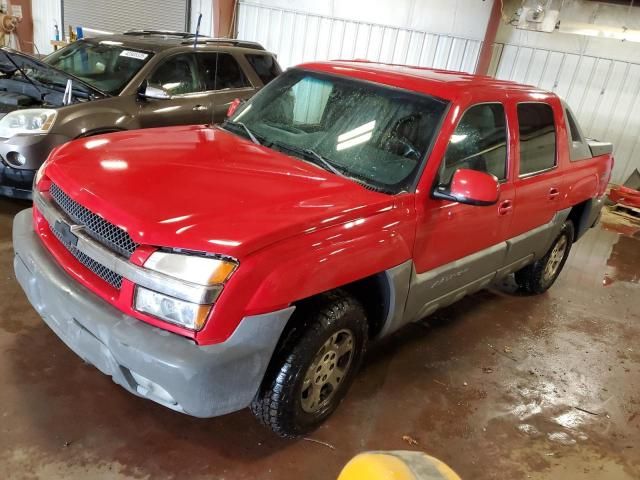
point(109, 235)
point(109, 276)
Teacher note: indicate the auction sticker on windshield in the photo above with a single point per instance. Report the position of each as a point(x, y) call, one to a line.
point(133, 54)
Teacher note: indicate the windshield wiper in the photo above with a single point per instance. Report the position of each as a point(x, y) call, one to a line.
point(245, 128)
point(307, 154)
point(321, 160)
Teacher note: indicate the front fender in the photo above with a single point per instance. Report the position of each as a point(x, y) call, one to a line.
point(113, 113)
point(308, 264)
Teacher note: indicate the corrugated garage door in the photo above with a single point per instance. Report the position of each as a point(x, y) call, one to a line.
point(122, 15)
point(299, 37)
point(603, 93)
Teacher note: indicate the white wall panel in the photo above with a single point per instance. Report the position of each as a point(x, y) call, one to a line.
point(299, 37)
point(46, 14)
point(603, 93)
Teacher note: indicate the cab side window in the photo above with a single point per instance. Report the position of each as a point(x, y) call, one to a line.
point(221, 71)
point(177, 75)
point(265, 66)
point(537, 138)
point(478, 143)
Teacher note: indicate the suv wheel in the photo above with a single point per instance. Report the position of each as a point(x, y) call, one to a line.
point(540, 275)
point(314, 367)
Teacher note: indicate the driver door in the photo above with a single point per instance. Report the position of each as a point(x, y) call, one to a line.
point(459, 247)
point(188, 104)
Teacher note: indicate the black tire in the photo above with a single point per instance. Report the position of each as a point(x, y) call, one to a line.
point(538, 277)
point(279, 403)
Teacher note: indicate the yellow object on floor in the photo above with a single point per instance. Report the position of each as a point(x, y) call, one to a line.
point(396, 465)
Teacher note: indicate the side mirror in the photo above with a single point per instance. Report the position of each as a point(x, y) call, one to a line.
point(156, 93)
point(233, 106)
point(471, 187)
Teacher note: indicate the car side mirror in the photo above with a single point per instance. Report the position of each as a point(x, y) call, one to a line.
point(471, 187)
point(233, 106)
point(155, 93)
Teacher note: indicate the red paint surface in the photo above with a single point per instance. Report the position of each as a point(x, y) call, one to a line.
point(298, 230)
point(626, 196)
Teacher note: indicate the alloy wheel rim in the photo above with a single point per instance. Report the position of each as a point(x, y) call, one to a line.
point(555, 259)
point(327, 371)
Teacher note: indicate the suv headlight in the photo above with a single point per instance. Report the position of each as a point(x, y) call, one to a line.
point(31, 120)
point(201, 270)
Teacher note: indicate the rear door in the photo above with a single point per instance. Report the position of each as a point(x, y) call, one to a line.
point(539, 184)
point(224, 80)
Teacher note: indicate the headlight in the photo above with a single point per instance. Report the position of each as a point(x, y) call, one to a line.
point(192, 268)
point(185, 314)
point(201, 270)
point(31, 120)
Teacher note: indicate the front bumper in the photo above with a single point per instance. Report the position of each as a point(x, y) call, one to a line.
point(203, 381)
point(17, 181)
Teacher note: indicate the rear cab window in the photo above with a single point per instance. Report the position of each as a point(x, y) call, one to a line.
point(537, 130)
point(578, 148)
point(265, 66)
point(479, 142)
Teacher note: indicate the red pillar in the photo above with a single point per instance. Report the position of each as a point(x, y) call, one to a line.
point(489, 38)
point(224, 18)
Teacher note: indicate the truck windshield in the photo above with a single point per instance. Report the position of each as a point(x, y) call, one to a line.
point(373, 134)
point(107, 66)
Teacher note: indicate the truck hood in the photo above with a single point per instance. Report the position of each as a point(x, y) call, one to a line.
point(205, 189)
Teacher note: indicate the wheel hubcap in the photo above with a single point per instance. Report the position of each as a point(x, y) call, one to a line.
point(327, 371)
point(557, 254)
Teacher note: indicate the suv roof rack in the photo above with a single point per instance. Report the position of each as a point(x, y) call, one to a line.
point(227, 41)
point(163, 33)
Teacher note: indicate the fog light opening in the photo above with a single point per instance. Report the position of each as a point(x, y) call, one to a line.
point(16, 159)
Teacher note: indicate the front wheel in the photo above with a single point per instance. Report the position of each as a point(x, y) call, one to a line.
point(541, 274)
point(314, 367)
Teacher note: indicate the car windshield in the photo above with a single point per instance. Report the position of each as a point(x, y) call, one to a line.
point(107, 66)
point(373, 134)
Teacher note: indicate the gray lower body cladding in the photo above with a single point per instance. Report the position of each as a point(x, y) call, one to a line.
point(203, 381)
point(417, 295)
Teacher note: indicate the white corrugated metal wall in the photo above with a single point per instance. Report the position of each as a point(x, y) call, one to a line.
point(603, 93)
point(301, 36)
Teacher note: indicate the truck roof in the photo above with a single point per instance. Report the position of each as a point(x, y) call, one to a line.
point(443, 83)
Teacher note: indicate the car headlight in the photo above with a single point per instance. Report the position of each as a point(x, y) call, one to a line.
point(201, 270)
point(173, 310)
point(30, 120)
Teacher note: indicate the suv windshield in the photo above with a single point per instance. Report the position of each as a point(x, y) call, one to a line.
point(374, 134)
point(107, 66)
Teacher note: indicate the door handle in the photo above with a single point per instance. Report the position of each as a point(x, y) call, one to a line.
point(199, 108)
point(553, 193)
point(505, 207)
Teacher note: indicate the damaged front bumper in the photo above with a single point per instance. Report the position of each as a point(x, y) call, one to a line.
point(203, 381)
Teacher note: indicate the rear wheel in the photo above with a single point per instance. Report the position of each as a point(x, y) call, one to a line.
point(540, 275)
point(314, 367)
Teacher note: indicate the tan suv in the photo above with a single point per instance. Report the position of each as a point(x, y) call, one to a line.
point(111, 83)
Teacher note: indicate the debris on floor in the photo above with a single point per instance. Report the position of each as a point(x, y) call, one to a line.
point(410, 440)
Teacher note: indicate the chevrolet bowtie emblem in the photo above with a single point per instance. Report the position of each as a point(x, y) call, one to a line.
point(64, 231)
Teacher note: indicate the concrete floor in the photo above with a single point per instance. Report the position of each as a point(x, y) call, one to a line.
point(499, 386)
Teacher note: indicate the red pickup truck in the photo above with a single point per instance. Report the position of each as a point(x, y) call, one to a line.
point(214, 268)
